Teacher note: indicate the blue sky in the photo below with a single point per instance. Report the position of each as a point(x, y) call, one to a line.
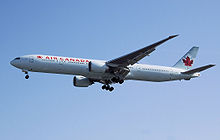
point(47, 106)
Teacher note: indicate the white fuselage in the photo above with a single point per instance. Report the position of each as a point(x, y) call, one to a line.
point(78, 66)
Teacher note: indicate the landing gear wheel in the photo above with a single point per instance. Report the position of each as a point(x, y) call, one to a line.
point(111, 89)
point(107, 87)
point(115, 79)
point(103, 87)
point(27, 76)
point(121, 81)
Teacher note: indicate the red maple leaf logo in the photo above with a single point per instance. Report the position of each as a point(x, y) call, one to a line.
point(187, 61)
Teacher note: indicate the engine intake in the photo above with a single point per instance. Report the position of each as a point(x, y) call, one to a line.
point(81, 81)
point(97, 66)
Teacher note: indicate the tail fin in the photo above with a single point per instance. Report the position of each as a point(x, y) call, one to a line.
point(187, 60)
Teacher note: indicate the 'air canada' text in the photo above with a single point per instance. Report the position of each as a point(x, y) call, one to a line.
point(63, 59)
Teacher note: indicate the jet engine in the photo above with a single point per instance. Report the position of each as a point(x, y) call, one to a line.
point(97, 66)
point(81, 81)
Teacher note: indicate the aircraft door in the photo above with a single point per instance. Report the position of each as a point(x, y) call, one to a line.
point(60, 67)
point(31, 61)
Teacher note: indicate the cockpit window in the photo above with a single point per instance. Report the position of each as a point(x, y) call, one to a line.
point(17, 58)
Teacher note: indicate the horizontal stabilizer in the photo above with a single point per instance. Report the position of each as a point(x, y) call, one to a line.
point(198, 69)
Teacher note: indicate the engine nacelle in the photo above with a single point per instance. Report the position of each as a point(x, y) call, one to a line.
point(81, 81)
point(97, 66)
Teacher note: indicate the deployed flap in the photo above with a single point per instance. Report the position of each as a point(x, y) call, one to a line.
point(198, 69)
point(187, 61)
point(135, 56)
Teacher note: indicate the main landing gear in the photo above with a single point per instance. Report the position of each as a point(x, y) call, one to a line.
point(117, 80)
point(107, 87)
point(113, 80)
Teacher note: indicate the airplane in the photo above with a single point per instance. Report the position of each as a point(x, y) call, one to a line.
point(126, 67)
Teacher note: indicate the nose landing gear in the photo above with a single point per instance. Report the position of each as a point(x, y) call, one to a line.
point(107, 87)
point(26, 76)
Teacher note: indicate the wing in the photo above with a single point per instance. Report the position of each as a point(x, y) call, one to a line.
point(135, 56)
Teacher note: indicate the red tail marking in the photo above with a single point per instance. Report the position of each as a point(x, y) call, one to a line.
point(187, 61)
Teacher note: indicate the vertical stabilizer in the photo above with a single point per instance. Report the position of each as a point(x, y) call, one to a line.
point(187, 61)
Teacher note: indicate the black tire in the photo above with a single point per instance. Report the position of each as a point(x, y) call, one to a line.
point(121, 81)
point(27, 76)
point(114, 79)
point(107, 87)
point(111, 89)
point(103, 87)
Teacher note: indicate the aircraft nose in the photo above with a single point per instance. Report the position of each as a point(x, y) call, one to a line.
point(12, 62)
point(15, 62)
